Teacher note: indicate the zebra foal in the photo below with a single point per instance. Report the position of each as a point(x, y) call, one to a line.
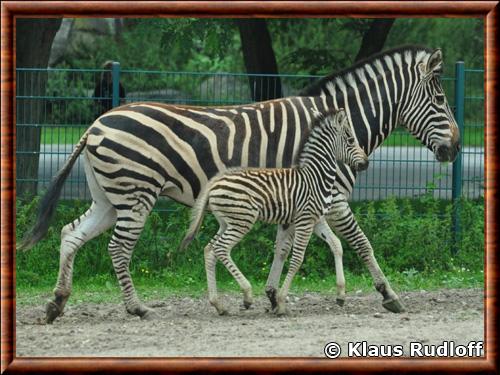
point(299, 196)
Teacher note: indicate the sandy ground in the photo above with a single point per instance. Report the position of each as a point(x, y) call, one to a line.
point(191, 327)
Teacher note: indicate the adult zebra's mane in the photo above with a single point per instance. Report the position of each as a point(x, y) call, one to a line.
point(317, 87)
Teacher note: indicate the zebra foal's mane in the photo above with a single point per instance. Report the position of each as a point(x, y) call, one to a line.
point(318, 127)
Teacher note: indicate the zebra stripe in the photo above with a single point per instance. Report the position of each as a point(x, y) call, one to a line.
point(299, 196)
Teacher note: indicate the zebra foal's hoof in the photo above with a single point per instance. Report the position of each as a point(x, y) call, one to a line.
point(393, 305)
point(149, 314)
point(223, 312)
point(340, 301)
point(282, 311)
point(271, 294)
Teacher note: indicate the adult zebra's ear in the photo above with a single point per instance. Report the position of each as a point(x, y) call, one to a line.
point(435, 62)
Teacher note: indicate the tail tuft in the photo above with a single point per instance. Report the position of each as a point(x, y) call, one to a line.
point(49, 201)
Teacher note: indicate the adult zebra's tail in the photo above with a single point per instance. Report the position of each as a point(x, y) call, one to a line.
point(197, 214)
point(49, 201)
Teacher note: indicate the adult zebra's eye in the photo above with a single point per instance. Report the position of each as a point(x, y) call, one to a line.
point(350, 141)
point(439, 99)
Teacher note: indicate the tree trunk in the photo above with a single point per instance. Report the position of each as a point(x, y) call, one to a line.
point(259, 58)
point(374, 38)
point(34, 39)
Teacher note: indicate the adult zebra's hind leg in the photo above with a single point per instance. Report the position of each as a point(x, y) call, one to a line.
point(99, 217)
point(344, 222)
point(129, 225)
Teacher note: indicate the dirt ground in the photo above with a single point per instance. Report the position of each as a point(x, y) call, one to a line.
point(191, 327)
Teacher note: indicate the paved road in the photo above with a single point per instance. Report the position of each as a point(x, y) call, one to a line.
point(399, 171)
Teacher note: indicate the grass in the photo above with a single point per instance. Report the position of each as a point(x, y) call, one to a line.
point(62, 135)
point(104, 288)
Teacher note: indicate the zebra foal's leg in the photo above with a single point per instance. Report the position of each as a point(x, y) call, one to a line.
point(302, 235)
point(210, 267)
point(221, 248)
point(129, 226)
point(344, 222)
point(99, 217)
point(284, 240)
point(323, 231)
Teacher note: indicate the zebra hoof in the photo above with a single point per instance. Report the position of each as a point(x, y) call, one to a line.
point(271, 294)
point(223, 312)
point(340, 301)
point(282, 311)
point(52, 311)
point(247, 304)
point(393, 305)
point(149, 314)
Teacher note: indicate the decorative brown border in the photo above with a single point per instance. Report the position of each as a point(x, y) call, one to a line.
point(12, 9)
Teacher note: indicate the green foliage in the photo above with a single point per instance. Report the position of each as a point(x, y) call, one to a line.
point(308, 45)
point(440, 33)
point(71, 103)
point(170, 44)
point(411, 238)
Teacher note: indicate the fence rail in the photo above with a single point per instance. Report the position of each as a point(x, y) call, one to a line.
point(55, 106)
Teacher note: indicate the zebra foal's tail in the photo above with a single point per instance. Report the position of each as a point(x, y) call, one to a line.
point(49, 201)
point(197, 213)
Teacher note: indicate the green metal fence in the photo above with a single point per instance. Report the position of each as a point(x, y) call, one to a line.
point(50, 121)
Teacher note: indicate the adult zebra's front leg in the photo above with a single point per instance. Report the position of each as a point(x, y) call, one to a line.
point(344, 223)
point(129, 225)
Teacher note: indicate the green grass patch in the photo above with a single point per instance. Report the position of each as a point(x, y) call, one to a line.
point(62, 135)
point(104, 288)
point(412, 239)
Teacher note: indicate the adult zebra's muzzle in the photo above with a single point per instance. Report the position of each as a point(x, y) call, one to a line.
point(446, 153)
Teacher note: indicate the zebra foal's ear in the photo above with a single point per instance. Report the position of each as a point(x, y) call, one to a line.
point(341, 117)
point(435, 62)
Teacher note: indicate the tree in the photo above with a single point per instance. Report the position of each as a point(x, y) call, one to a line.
point(374, 38)
point(34, 39)
point(259, 58)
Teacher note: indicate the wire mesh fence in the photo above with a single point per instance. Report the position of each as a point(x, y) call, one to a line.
point(55, 106)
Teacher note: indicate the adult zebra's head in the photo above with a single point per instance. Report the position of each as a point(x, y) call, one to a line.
point(426, 113)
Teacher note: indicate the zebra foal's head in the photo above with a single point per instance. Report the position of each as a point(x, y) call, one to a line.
point(347, 148)
point(427, 114)
point(336, 132)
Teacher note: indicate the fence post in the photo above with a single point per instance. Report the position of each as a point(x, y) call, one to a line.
point(115, 77)
point(456, 189)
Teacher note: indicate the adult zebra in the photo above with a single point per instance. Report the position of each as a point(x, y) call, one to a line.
point(136, 152)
